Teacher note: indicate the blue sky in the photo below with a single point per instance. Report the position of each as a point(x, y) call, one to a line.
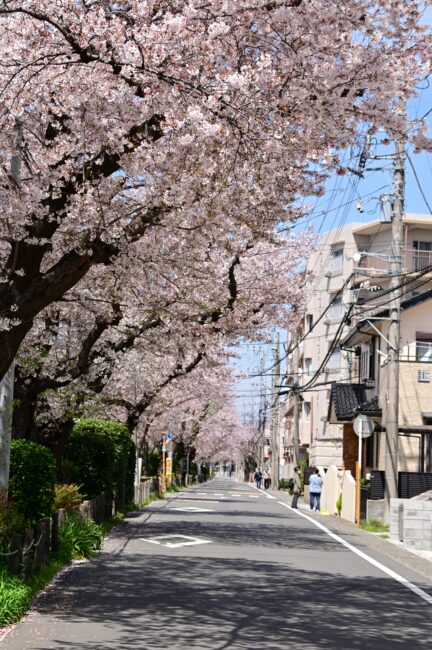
point(339, 205)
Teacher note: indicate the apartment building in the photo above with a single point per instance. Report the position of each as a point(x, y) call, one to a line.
point(351, 266)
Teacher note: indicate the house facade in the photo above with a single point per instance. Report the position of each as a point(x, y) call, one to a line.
point(367, 341)
point(350, 272)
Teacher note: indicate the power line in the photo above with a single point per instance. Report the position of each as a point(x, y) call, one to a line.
point(418, 182)
point(291, 349)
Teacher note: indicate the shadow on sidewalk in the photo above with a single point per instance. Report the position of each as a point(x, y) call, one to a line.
point(177, 602)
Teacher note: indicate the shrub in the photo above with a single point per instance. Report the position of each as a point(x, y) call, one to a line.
point(100, 457)
point(67, 496)
point(32, 480)
point(11, 521)
point(14, 598)
point(79, 538)
point(339, 504)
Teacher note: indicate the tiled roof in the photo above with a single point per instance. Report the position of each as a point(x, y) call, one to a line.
point(345, 398)
point(371, 406)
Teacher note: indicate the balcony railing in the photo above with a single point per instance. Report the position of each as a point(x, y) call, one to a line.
point(421, 352)
point(412, 260)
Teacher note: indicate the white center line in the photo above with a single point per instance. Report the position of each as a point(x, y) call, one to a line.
point(396, 576)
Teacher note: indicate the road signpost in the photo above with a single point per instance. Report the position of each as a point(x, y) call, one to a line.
point(364, 427)
point(166, 462)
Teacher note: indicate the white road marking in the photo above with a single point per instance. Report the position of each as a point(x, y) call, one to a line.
point(190, 541)
point(253, 496)
point(191, 509)
point(269, 496)
point(202, 494)
point(396, 576)
point(217, 494)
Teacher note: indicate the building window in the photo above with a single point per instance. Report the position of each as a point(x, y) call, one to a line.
point(335, 311)
point(334, 360)
point(423, 346)
point(307, 410)
point(336, 262)
point(309, 322)
point(422, 255)
point(364, 362)
point(367, 361)
point(308, 366)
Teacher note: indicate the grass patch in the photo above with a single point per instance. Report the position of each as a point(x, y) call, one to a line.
point(374, 526)
point(113, 521)
point(15, 598)
point(174, 488)
point(79, 538)
point(153, 497)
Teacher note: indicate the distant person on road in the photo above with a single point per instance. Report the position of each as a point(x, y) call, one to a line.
point(258, 478)
point(315, 487)
point(296, 488)
point(266, 478)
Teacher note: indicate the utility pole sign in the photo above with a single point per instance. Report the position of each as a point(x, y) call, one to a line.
point(363, 427)
point(167, 460)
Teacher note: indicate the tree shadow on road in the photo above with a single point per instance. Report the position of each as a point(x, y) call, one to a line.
point(177, 602)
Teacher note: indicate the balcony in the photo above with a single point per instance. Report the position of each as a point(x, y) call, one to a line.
point(379, 261)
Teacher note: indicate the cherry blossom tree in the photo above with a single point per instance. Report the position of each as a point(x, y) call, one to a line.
point(129, 337)
point(120, 119)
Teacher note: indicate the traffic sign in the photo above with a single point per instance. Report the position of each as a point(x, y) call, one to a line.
point(364, 426)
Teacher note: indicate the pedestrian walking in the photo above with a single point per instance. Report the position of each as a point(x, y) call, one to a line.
point(266, 478)
point(258, 478)
point(296, 488)
point(315, 487)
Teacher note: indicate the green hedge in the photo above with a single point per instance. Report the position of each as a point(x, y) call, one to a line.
point(100, 458)
point(32, 480)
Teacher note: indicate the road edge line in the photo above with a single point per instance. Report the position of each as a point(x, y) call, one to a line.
point(269, 496)
point(392, 574)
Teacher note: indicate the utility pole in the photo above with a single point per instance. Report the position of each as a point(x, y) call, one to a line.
point(275, 416)
point(296, 398)
point(392, 398)
point(262, 415)
point(7, 383)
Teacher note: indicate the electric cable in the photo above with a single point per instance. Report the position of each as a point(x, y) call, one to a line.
point(418, 182)
point(291, 349)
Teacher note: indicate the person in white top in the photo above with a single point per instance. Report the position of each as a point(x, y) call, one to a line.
point(315, 487)
point(266, 478)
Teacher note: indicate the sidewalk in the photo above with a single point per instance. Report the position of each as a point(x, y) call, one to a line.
point(419, 561)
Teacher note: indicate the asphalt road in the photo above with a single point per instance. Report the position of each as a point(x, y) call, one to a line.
point(252, 575)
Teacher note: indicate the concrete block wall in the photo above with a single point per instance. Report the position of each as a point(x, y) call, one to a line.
point(348, 496)
point(331, 490)
point(375, 509)
point(411, 523)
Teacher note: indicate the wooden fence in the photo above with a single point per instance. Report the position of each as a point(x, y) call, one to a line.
point(33, 549)
point(143, 490)
point(30, 551)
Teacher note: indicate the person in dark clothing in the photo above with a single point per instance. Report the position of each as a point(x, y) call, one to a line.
point(296, 488)
point(258, 478)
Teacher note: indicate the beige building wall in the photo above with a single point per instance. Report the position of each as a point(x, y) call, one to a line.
point(415, 397)
point(328, 270)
